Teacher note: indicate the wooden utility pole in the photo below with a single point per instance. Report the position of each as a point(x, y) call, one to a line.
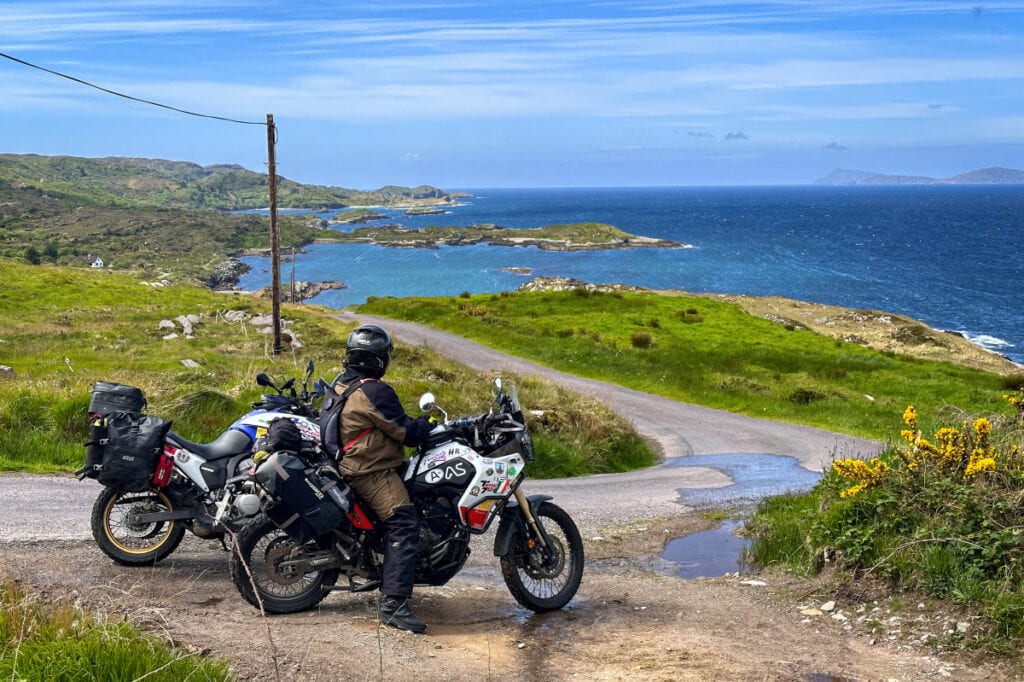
point(275, 240)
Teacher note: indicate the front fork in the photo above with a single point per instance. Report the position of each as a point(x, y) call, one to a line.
point(531, 521)
point(521, 521)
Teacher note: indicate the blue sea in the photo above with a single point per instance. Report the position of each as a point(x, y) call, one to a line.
point(950, 256)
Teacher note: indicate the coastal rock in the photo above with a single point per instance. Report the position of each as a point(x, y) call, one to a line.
point(226, 274)
point(303, 291)
point(236, 316)
point(567, 283)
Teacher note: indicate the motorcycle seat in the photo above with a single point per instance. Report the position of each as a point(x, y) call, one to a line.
point(228, 444)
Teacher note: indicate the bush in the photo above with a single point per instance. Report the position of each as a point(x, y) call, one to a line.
point(641, 340)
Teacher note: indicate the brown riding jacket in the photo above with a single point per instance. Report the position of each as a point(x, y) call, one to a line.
point(374, 426)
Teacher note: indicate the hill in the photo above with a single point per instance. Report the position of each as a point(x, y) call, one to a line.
point(982, 176)
point(120, 181)
point(160, 243)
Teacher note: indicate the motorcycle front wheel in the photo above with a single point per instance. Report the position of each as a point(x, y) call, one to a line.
point(129, 543)
point(545, 578)
point(262, 568)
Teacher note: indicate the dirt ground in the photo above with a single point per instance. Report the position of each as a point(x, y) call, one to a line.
point(632, 619)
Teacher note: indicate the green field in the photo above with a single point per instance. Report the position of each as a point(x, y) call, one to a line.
point(709, 352)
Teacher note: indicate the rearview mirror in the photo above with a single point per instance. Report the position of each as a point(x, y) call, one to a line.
point(263, 380)
point(427, 402)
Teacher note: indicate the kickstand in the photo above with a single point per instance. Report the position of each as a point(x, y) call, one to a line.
point(224, 543)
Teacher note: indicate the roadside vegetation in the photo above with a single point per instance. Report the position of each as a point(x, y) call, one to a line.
point(933, 523)
point(709, 352)
point(61, 329)
point(938, 515)
point(42, 639)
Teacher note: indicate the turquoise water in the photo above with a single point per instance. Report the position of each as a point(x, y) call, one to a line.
point(949, 256)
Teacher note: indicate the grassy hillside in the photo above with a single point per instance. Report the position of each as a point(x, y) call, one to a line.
point(178, 184)
point(48, 227)
point(709, 352)
point(62, 329)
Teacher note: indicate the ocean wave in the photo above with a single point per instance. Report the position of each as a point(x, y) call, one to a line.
point(987, 341)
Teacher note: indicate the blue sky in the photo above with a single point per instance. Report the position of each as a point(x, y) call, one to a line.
point(473, 93)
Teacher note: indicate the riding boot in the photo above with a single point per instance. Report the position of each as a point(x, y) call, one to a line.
point(397, 612)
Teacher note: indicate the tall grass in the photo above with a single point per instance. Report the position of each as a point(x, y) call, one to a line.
point(43, 640)
point(63, 329)
point(705, 351)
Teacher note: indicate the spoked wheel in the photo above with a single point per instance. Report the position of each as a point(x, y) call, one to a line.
point(545, 578)
point(272, 559)
point(126, 541)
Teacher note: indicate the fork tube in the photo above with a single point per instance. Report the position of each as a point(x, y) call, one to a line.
point(524, 506)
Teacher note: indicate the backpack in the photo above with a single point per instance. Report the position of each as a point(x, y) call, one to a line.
point(330, 421)
point(283, 434)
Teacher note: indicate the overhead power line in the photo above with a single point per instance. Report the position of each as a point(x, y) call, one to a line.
point(134, 99)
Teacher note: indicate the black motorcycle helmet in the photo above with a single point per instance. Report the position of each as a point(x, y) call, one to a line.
point(369, 347)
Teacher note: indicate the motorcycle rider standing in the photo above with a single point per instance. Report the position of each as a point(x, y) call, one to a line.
point(374, 430)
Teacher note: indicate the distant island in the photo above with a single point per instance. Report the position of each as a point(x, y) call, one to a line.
point(982, 176)
point(567, 237)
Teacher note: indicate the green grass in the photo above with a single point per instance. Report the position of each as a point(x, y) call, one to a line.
point(59, 642)
point(61, 329)
point(708, 352)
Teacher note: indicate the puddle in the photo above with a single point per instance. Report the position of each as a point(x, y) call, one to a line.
point(716, 552)
point(755, 476)
point(708, 554)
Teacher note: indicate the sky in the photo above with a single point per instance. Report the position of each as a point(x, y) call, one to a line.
point(466, 94)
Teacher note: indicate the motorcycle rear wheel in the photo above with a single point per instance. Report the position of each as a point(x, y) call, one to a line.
point(134, 544)
point(257, 571)
point(545, 579)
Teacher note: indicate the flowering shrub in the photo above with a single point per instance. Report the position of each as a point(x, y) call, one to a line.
point(940, 514)
point(961, 454)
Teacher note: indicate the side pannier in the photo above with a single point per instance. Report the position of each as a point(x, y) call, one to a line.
point(307, 501)
point(132, 451)
point(124, 444)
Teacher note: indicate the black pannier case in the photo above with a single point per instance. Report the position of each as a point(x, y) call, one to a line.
point(308, 502)
point(133, 448)
point(108, 398)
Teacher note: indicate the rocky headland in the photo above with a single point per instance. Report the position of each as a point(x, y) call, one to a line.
point(886, 332)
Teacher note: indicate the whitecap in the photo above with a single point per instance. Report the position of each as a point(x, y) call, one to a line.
point(987, 341)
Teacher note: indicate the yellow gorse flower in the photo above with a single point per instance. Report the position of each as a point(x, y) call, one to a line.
point(910, 417)
point(864, 474)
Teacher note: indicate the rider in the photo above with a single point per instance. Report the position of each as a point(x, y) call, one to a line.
point(374, 429)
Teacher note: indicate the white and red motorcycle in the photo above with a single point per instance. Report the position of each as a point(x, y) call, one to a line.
point(468, 473)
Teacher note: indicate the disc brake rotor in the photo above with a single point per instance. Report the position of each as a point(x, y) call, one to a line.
point(135, 528)
point(279, 557)
point(546, 564)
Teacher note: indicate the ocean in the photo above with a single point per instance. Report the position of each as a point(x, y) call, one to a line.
point(951, 256)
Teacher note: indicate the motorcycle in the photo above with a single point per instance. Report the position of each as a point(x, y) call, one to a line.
point(468, 473)
point(205, 488)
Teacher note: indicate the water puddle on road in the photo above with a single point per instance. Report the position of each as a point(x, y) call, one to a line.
point(708, 554)
point(715, 552)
